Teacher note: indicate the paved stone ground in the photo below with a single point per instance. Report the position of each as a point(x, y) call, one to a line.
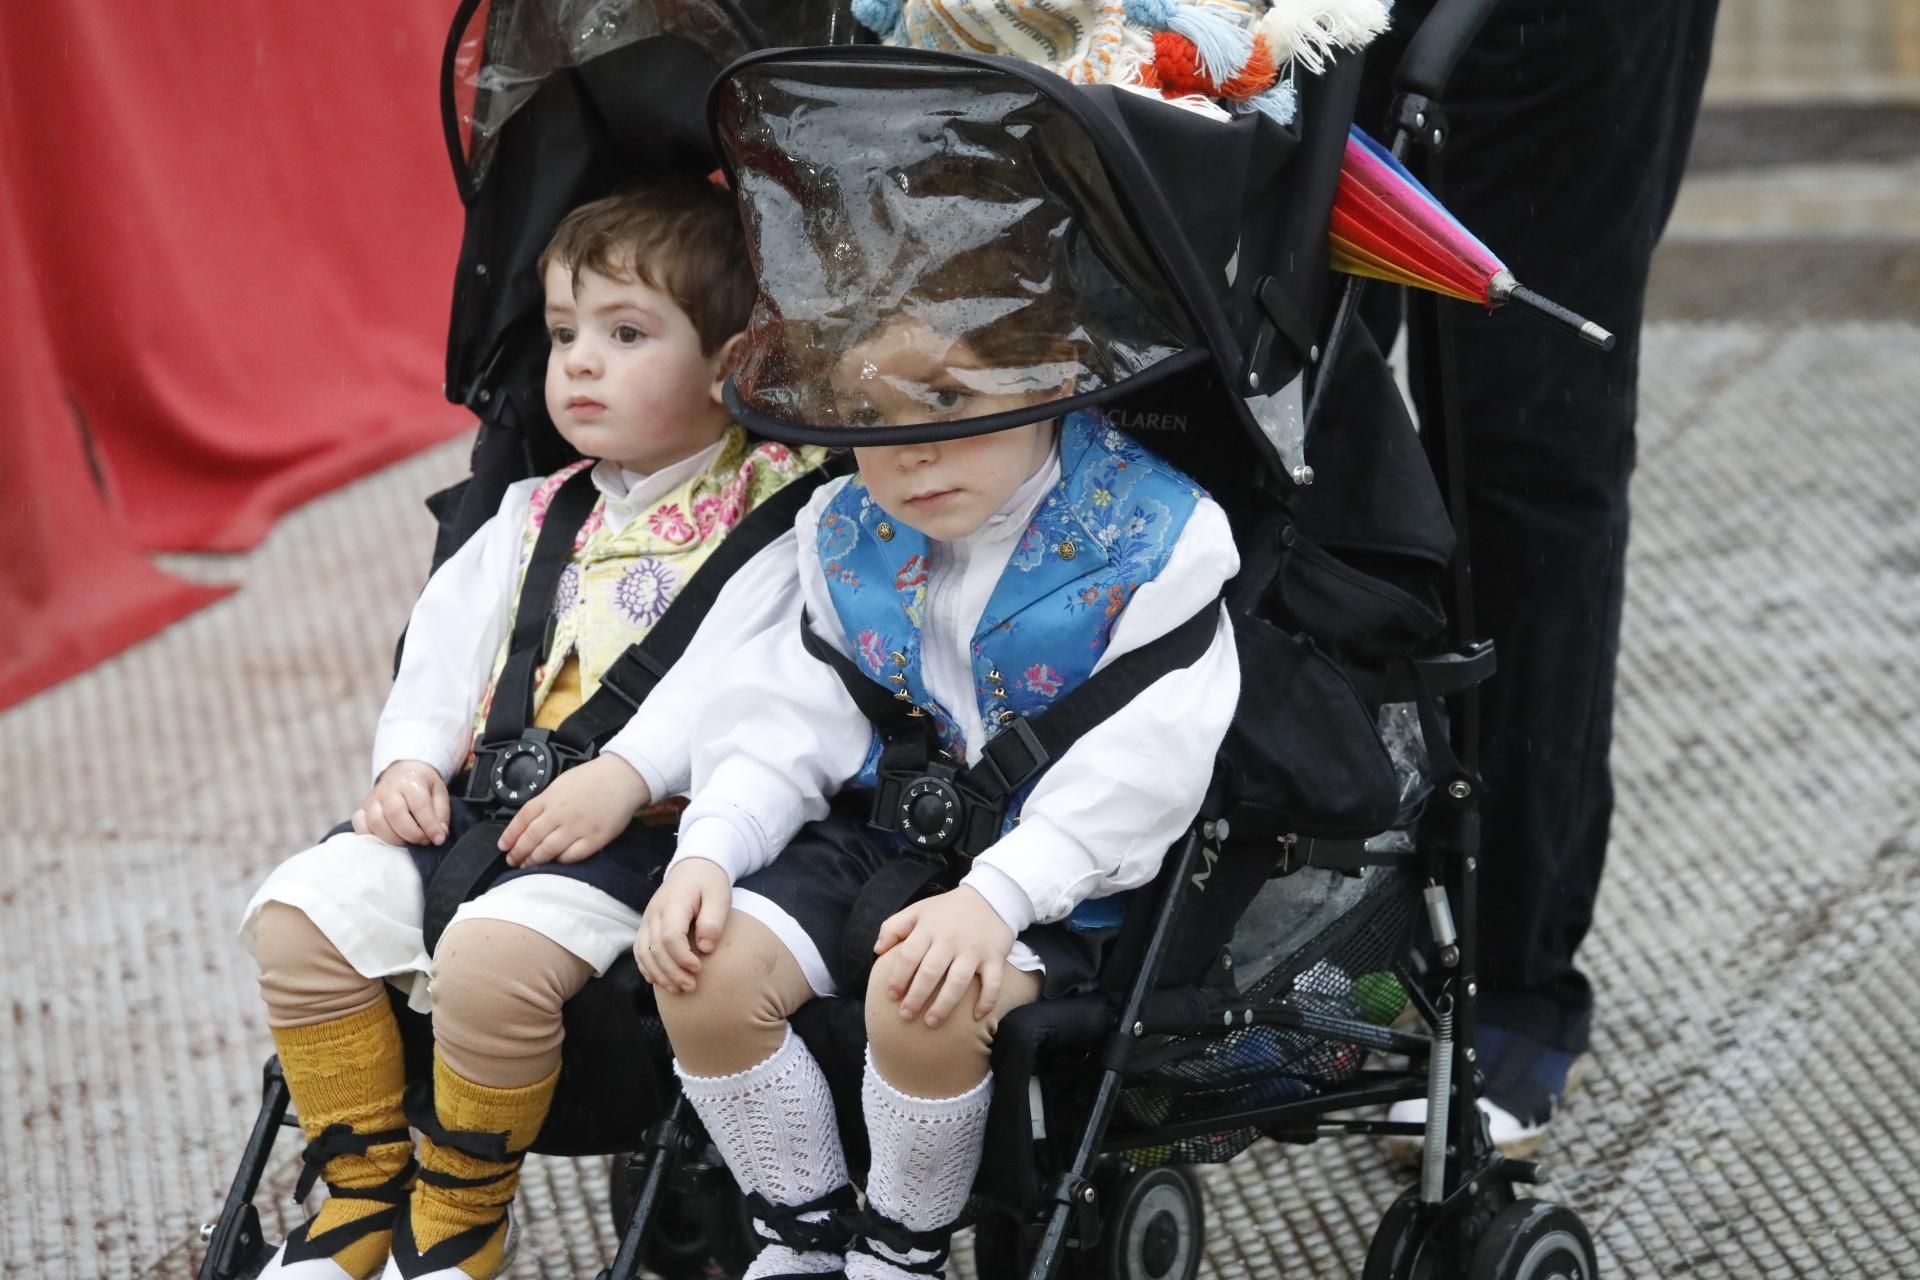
point(1750, 1109)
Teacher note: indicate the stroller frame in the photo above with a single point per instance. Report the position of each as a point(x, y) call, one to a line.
point(1462, 1217)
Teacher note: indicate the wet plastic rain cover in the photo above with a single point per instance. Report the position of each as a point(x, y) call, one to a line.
point(504, 50)
point(939, 249)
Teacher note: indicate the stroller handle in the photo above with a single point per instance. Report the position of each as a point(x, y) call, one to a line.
point(1436, 47)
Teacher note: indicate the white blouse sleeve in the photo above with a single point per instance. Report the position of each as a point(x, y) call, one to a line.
point(1101, 818)
point(777, 737)
point(452, 639)
point(762, 596)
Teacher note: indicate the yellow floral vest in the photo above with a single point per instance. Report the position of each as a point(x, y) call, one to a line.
point(620, 583)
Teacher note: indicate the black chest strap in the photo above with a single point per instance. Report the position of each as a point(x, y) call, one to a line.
point(910, 774)
point(512, 708)
point(633, 675)
point(1022, 747)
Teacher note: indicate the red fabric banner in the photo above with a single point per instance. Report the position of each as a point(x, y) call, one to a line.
point(228, 233)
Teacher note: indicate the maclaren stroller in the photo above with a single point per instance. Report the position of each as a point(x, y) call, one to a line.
point(1323, 890)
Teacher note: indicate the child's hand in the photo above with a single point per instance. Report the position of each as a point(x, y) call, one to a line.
point(408, 805)
point(687, 914)
point(576, 816)
point(955, 936)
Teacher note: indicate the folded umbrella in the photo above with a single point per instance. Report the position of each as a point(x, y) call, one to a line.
point(1387, 226)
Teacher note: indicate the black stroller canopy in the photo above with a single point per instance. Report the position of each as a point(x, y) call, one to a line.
point(500, 52)
point(940, 252)
point(950, 244)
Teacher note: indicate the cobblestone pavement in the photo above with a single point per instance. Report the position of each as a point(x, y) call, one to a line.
point(1750, 1105)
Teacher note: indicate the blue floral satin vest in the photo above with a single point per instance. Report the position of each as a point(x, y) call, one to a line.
point(1106, 527)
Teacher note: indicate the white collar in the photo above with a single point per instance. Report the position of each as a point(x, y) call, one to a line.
point(1012, 519)
point(633, 492)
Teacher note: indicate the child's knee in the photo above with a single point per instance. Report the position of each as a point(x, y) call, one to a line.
point(959, 1046)
point(738, 1008)
point(303, 977)
point(498, 992)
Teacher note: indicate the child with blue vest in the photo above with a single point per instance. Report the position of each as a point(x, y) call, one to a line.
point(976, 582)
point(645, 298)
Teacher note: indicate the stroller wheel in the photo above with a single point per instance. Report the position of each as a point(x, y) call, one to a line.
point(699, 1225)
point(1534, 1240)
point(1155, 1226)
point(1401, 1248)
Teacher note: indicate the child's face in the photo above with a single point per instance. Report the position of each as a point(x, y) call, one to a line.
point(949, 488)
point(626, 380)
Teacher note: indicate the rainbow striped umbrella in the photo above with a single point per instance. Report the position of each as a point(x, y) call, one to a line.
point(1389, 227)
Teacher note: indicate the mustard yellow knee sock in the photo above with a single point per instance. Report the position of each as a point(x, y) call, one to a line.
point(469, 1175)
point(347, 1077)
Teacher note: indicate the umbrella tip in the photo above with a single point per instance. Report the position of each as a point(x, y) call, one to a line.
point(1598, 336)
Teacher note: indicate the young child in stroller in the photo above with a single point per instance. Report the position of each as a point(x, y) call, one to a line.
point(976, 579)
point(645, 298)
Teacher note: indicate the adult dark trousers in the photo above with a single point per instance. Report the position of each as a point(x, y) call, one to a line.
point(1568, 123)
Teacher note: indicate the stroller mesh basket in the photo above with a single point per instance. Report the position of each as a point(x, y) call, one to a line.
point(1344, 969)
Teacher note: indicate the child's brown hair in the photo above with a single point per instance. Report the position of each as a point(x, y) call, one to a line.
point(681, 237)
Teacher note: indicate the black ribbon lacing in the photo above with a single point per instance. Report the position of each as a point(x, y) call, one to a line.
point(874, 1228)
point(781, 1222)
point(491, 1147)
point(341, 1140)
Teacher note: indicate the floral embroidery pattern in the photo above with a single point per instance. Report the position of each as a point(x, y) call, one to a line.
point(566, 593)
point(912, 574)
point(838, 535)
point(671, 523)
point(872, 652)
point(644, 591)
point(1043, 680)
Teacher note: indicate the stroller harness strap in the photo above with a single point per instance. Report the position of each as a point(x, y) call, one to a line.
point(1012, 757)
point(496, 777)
point(949, 815)
point(515, 763)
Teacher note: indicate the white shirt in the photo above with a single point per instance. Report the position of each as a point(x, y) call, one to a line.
point(785, 735)
point(462, 616)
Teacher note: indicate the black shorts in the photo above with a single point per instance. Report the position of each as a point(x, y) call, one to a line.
point(816, 879)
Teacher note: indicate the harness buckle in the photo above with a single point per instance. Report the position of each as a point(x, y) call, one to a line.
point(1011, 756)
point(633, 675)
point(507, 774)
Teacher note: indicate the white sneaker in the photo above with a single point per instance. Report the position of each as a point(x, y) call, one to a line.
point(452, 1271)
point(1511, 1136)
point(278, 1268)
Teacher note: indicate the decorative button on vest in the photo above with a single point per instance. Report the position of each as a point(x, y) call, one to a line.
point(1067, 551)
point(883, 531)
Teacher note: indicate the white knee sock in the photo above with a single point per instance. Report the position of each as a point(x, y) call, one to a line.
point(926, 1152)
point(774, 1124)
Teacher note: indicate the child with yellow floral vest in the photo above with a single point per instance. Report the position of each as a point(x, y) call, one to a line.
point(646, 296)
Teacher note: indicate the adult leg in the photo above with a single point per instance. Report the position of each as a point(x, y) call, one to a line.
point(339, 1049)
point(762, 1096)
point(498, 990)
point(1569, 125)
point(925, 1097)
